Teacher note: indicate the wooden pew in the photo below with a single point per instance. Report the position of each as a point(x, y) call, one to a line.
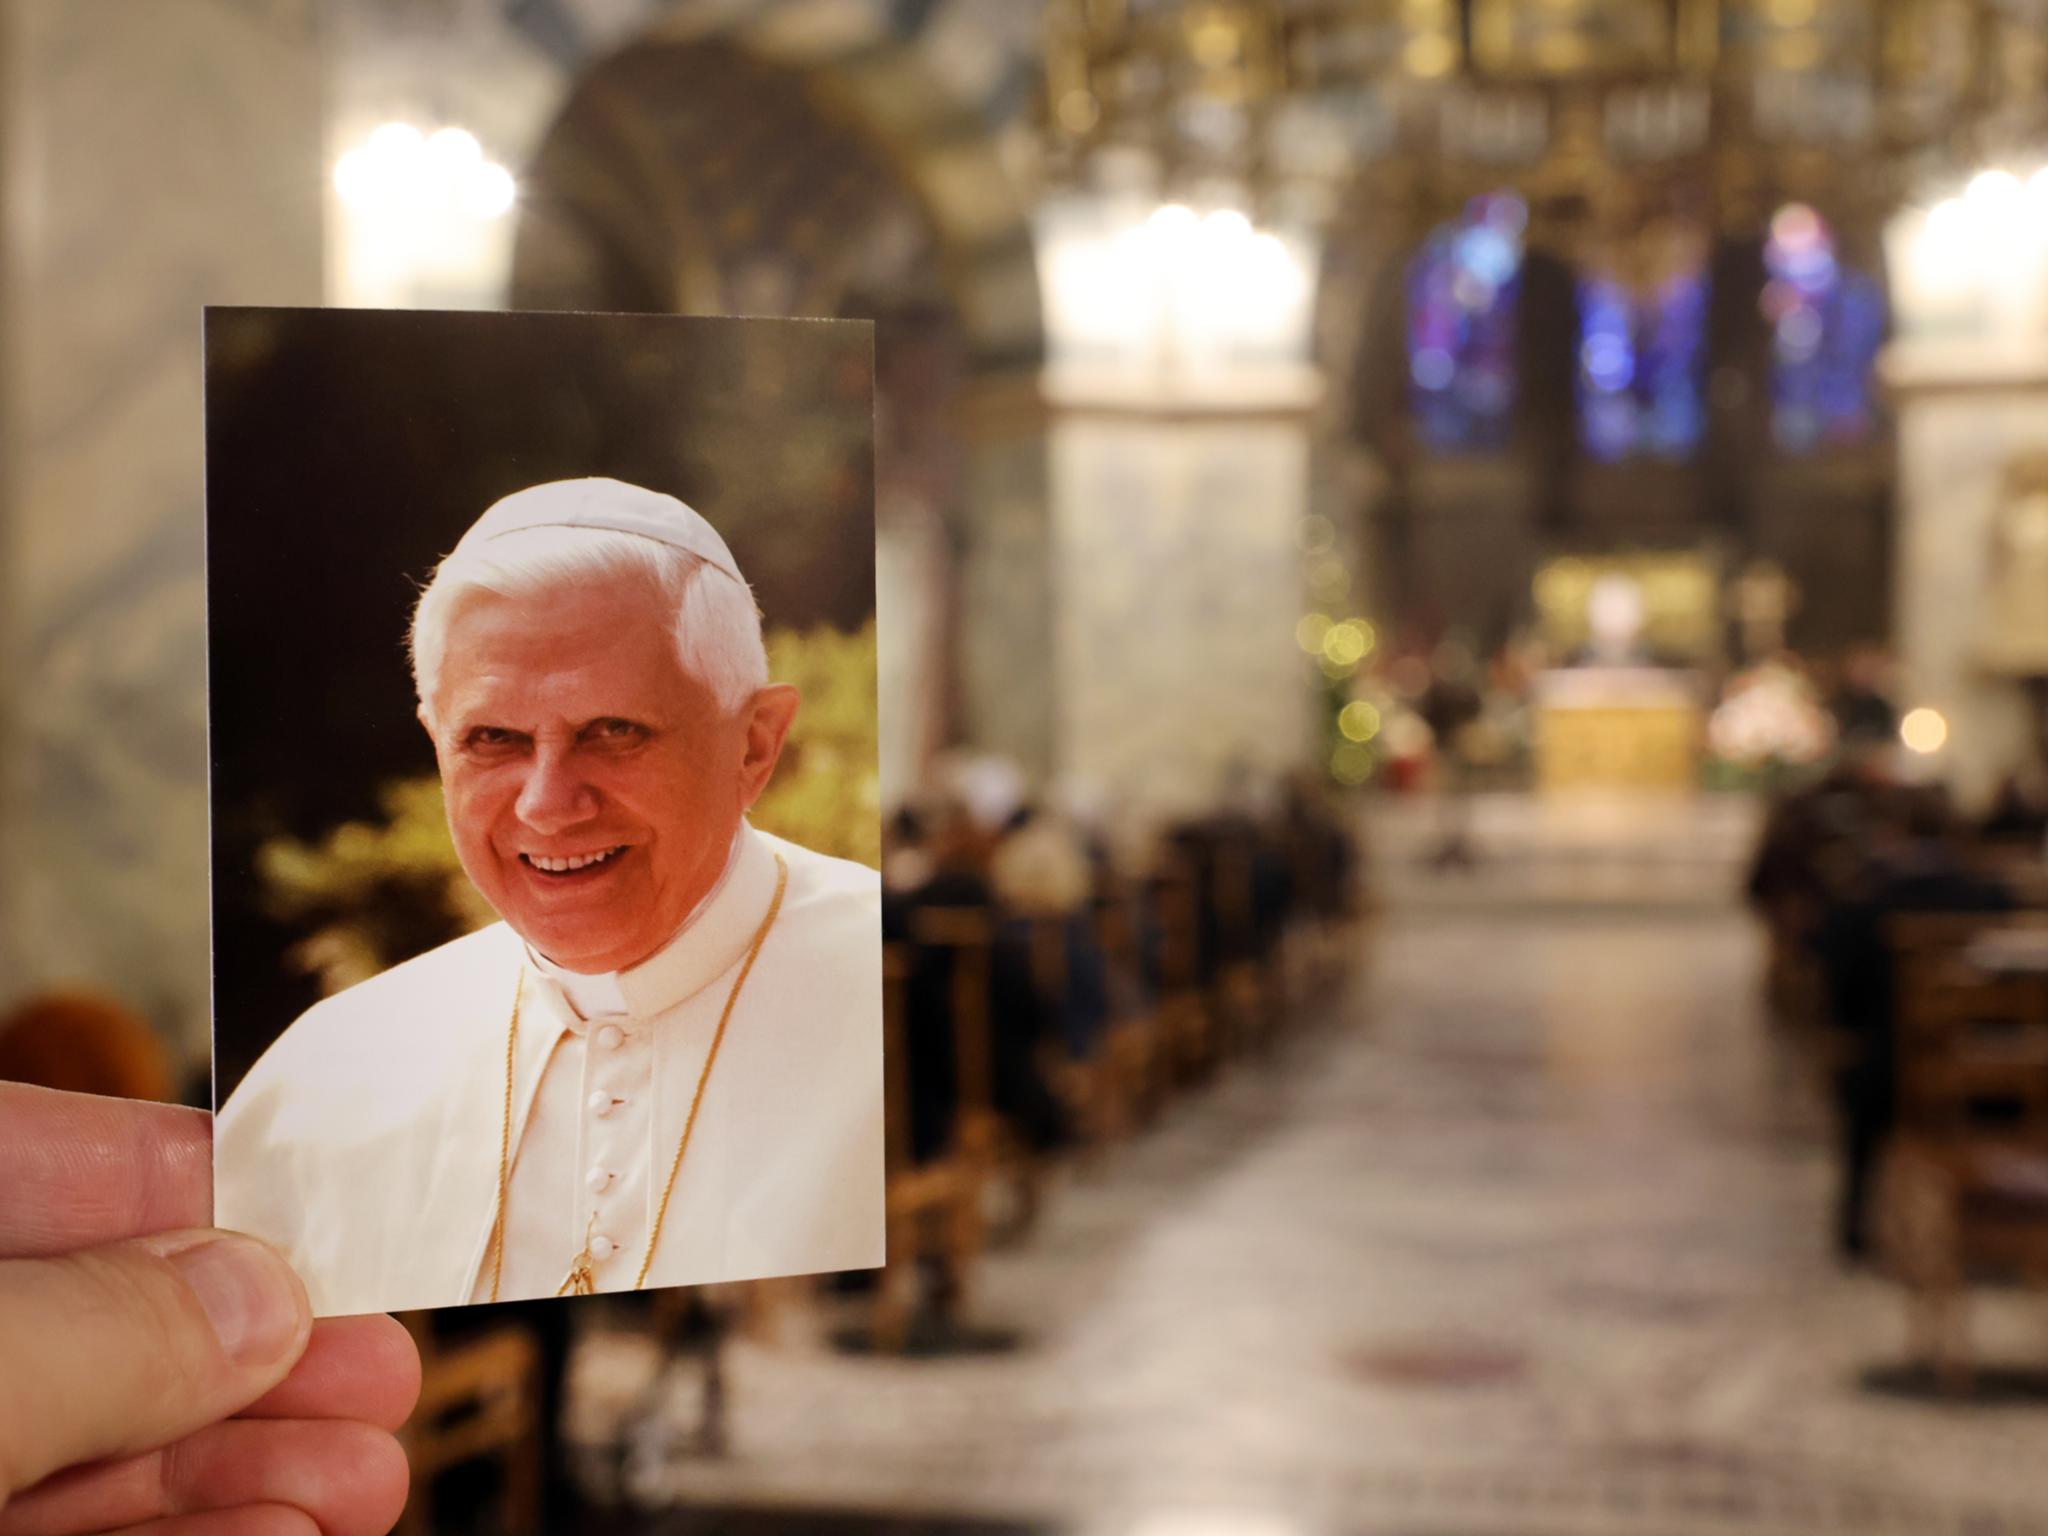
point(1242, 993)
point(1966, 1181)
point(479, 1400)
point(1186, 1023)
point(1090, 1086)
point(933, 1209)
point(1137, 1047)
point(980, 1135)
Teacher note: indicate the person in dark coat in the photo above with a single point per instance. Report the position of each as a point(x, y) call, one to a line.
point(959, 852)
point(1925, 869)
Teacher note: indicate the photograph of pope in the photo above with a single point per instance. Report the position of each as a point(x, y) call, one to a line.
point(663, 1065)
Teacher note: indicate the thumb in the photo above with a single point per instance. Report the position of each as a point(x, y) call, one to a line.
point(125, 1348)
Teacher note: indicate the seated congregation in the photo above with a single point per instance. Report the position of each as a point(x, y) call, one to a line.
point(1910, 946)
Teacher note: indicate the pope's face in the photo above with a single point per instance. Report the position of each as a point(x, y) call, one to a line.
point(593, 786)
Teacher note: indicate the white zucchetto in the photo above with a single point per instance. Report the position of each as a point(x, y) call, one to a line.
point(610, 505)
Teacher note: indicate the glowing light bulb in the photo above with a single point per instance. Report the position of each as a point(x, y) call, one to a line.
point(489, 190)
point(2036, 204)
point(1351, 763)
point(1345, 645)
point(1172, 219)
point(1358, 721)
point(1923, 731)
point(455, 147)
point(1226, 224)
point(355, 178)
point(1797, 227)
point(395, 139)
point(1993, 189)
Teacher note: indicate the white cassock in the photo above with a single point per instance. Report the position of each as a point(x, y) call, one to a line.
point(365, 1142)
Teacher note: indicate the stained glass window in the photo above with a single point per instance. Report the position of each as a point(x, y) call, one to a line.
point(1640, 366)
point(1827, 322)
point(1461, 326)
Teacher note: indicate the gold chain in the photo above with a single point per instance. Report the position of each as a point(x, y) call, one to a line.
point(580, 1274)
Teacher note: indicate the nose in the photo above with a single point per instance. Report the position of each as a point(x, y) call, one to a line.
point(555, 796)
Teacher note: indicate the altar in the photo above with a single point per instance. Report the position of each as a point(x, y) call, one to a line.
point(1618, 728)
point(1629, 712)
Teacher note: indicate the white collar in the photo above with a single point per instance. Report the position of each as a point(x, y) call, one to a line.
point(603, 994)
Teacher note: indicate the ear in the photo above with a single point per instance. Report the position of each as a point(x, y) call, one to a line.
point(427, 724)
point(769, 715)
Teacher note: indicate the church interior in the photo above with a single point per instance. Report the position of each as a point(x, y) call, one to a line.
point(1461, 781)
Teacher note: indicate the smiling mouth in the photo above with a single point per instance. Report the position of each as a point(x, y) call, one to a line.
point(572, 864)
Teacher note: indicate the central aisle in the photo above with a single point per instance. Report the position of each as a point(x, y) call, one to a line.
point(1528, 1236)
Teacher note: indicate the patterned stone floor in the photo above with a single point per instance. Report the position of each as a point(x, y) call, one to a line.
point(1527, 1237)
point(1582, 852)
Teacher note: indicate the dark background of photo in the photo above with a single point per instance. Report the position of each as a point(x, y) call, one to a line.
point(348, 450)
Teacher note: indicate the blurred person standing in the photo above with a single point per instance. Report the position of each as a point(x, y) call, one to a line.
point(1044, 879)
point(1862, 702)
point(960, 847)
point(1449, 706)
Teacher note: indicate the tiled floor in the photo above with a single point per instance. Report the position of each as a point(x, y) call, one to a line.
point(1580, 852)
point(1528, 1238)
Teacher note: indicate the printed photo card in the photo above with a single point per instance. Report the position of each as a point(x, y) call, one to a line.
point(547, 949)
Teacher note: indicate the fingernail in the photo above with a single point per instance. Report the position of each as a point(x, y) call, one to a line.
point(248, 1293)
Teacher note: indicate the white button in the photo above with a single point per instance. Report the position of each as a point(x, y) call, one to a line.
point(602, 1248)
point(610, 1037)
point(601, 1103)
point(597, 1179)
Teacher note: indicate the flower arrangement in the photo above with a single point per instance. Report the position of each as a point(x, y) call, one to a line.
point(1769, 720)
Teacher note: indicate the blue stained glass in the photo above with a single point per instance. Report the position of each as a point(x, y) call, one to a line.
point(1827, 322)
point(1639, 368)
point(1462, 289)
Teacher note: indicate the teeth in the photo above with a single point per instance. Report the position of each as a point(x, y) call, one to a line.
point(563, 866)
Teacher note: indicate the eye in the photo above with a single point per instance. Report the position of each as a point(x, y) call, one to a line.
point(489, 738)
point(615, 731)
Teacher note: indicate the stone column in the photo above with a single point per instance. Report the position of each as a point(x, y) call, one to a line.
point(1006, 598)
point(1182, 396)
point(155, 158)
point(1179, 587)
point(1964, 417)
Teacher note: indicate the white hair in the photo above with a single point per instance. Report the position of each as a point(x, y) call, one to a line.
point(717, 627)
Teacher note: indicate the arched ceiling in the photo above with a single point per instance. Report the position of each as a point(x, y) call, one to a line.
point(940, 90)
point(694, 177)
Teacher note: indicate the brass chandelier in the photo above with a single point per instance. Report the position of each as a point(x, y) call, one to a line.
point(1746, 102)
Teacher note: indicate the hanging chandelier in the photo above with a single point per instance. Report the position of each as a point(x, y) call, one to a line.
point(1753, 102)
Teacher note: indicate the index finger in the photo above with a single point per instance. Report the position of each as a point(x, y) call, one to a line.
point(77, 1171)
